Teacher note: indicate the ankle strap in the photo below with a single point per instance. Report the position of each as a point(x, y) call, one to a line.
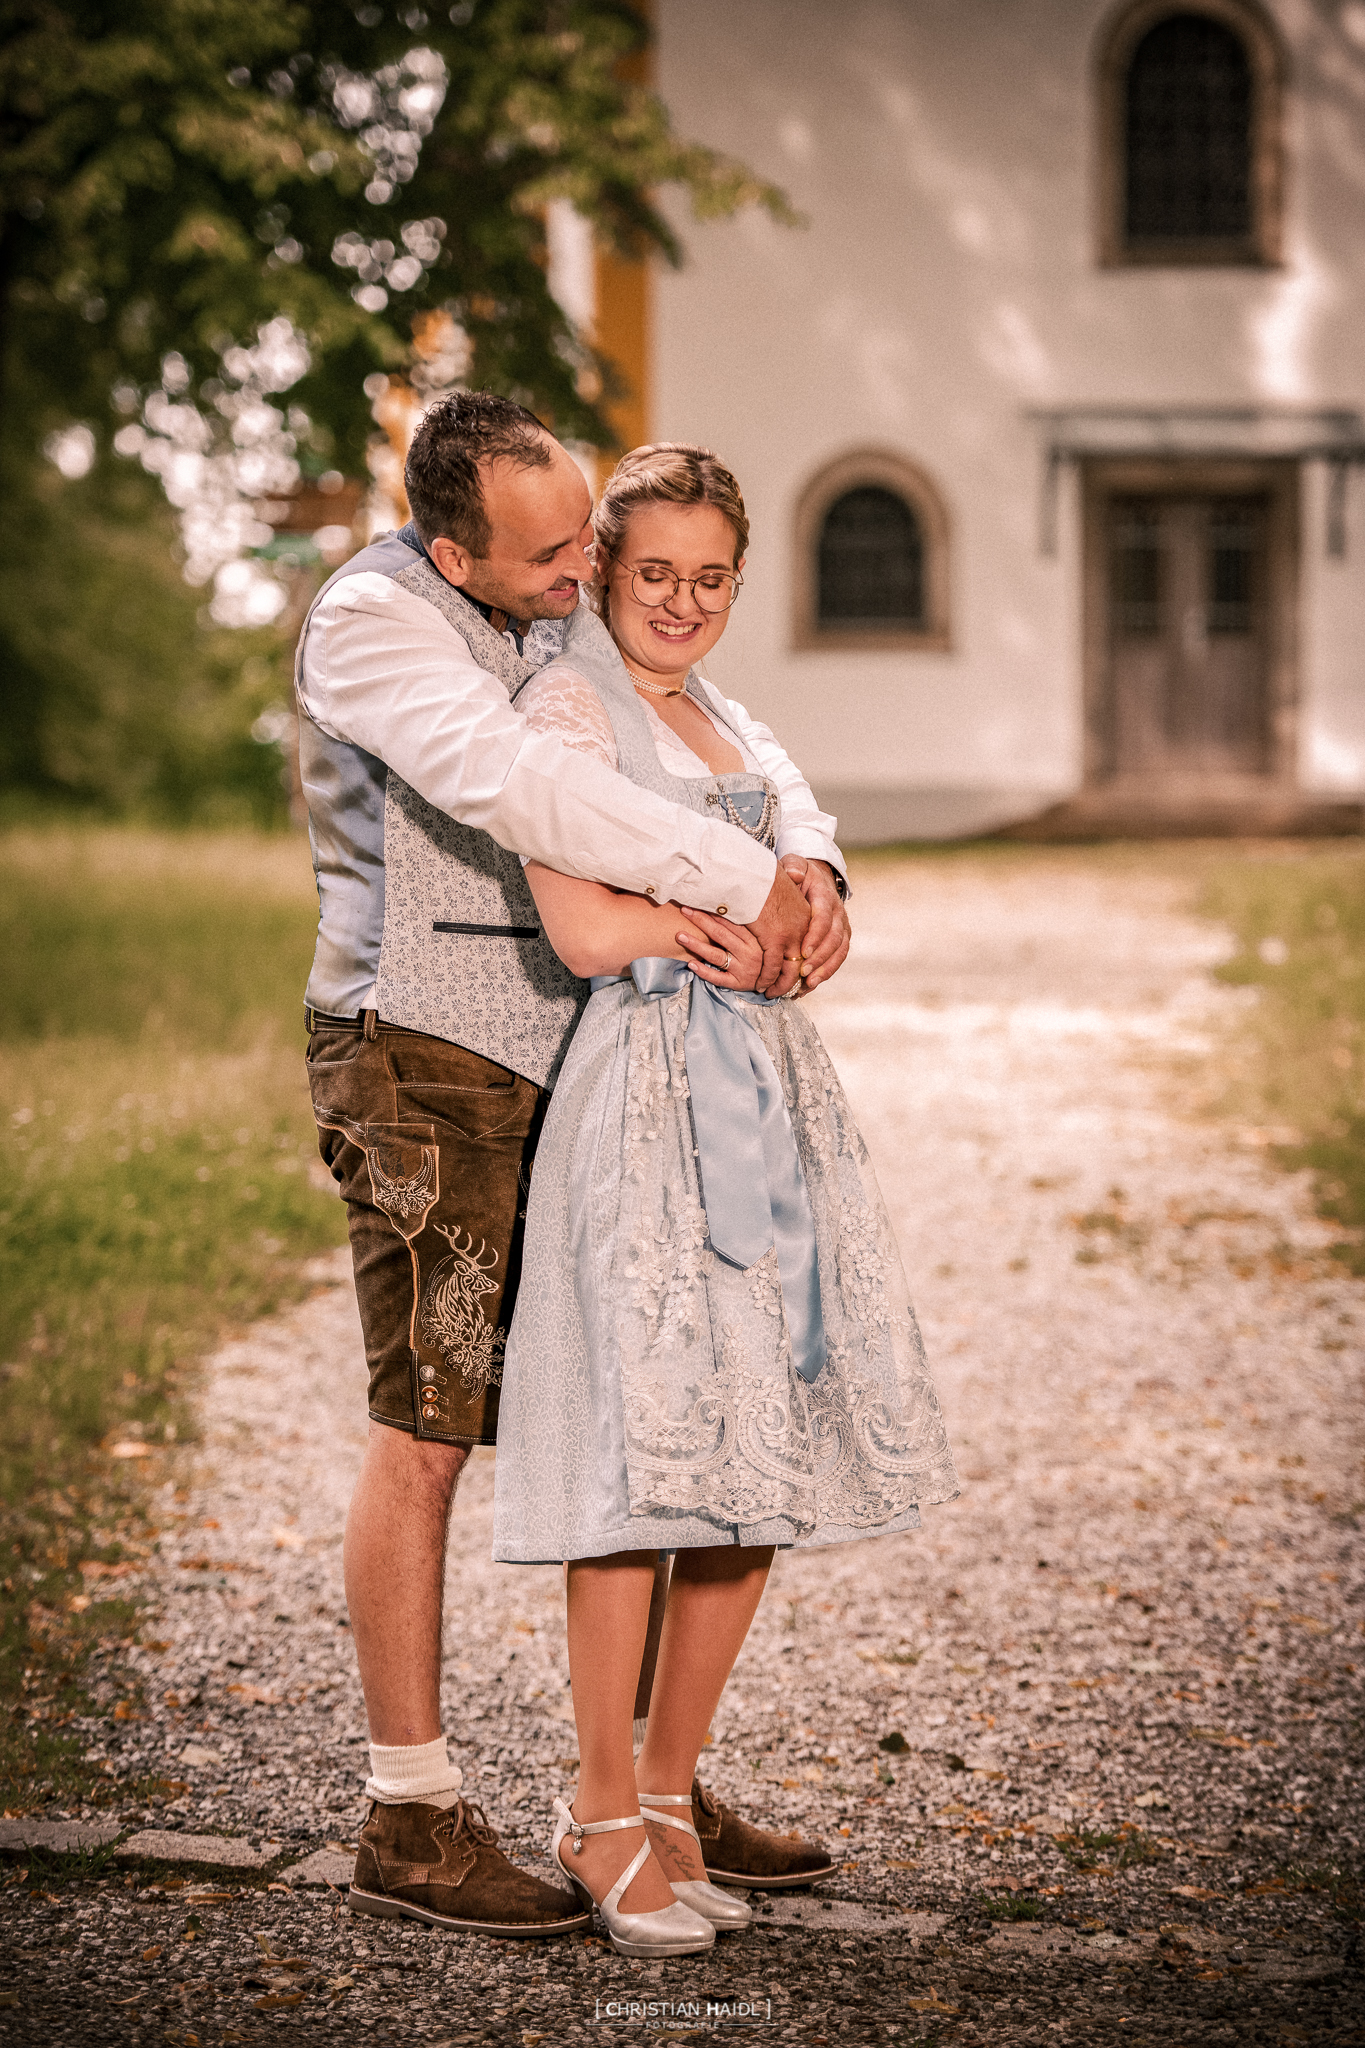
point(579, 1828)
point(670, 1820)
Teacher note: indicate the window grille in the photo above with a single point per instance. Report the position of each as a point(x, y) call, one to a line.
point(1136, 540)
point(1234, 558)
point(1189, 135)
point(871, 562)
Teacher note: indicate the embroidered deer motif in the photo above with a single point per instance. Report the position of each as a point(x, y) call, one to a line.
point(452, 1319)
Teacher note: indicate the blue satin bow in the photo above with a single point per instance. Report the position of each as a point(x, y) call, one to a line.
point(753, 1188)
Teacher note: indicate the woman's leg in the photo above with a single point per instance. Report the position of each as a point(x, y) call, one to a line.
point(608, 1617)
point(712, 1598)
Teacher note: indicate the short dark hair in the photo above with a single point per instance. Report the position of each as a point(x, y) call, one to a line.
point(444, 488)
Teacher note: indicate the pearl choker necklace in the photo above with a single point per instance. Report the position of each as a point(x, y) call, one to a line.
point(655, 689)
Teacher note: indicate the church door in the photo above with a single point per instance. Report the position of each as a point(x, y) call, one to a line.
point(1188, 635)
point(1190, 630)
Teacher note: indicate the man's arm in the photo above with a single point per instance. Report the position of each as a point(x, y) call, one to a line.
point(384, 670)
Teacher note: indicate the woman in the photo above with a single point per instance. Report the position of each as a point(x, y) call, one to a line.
point(714, 1351)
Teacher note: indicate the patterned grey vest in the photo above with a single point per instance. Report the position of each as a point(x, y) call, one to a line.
point(432, 916)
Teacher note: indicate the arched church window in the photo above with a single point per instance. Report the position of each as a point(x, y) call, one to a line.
point(1190, 147)
point(871, 562)
point(872, 556)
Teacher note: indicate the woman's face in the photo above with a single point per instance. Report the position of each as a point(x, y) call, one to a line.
point(658, 633)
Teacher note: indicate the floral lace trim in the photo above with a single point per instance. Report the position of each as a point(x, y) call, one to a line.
point(558, 700)
point(716, 1421)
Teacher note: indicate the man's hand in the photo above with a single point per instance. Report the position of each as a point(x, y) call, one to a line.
point(780, 929)
point(825, 948)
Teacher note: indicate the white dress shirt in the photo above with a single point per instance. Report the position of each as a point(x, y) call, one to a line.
point(385, 671)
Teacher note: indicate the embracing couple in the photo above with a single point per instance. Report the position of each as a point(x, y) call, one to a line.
point(565, 888)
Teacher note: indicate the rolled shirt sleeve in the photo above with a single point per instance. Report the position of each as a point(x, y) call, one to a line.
point(386, 672)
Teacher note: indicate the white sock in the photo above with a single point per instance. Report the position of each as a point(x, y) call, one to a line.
point(413, 1770)
point(640, 1724)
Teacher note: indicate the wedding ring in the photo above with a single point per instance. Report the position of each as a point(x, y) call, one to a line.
point(729, 963)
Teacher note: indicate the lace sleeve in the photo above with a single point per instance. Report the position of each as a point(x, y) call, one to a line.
point(560, 701)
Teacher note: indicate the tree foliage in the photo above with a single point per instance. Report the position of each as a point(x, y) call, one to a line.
point(174, 173)
point(177, 175)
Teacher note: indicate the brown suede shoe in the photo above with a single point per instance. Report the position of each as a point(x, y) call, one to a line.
point(420, 1862)
point(736, 1853)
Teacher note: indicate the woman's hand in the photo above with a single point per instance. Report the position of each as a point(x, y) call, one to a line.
point(727, 954)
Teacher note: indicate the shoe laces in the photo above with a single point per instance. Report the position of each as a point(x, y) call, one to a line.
point(707, 1801)
point(465, 1818)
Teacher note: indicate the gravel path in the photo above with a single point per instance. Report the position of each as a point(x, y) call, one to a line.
point(1111, 1691)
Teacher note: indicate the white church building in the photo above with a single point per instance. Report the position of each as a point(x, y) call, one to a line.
point(1050, 418)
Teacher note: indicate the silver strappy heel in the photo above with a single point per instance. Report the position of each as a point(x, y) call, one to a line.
point(669, 1931)
point(725, 1912)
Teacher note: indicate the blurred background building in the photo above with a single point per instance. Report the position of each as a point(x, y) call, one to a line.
point(1050, 418)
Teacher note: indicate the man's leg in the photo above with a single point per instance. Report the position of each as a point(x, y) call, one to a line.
point(395, 1572)
point(431, 1146)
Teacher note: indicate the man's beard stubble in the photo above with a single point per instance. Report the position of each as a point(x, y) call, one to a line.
point(519, 605)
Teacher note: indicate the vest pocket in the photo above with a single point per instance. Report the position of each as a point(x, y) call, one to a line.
point(489, 931)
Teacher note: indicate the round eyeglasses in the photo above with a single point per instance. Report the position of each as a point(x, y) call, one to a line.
point(715, 590)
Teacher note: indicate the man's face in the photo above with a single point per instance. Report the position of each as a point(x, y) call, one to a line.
point(541, 522)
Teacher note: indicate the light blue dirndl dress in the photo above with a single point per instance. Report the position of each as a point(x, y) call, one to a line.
point(676, 1378)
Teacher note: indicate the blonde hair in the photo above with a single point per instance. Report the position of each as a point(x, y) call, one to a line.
point(664, 473)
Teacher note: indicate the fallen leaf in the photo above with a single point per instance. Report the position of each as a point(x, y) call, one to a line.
point(274, 1999)
point(125, 1711)
point(1219, 1738)
point(339, 1984)
point(287, 1539)
point(900, 1863)
point(1194, 1891)
point(150, 1955)
point(95, 1568)
point(9, 2001)
point(131, 1449)
point(78, 1602)
point(259, 1695)
point(933, 2003)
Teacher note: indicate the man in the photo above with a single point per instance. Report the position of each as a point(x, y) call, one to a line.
point(438, 1015)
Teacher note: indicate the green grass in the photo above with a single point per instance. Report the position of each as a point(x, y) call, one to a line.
point(1011, 1906)
point(1121, 1849)
point(1299, 917)
point(156, 1143)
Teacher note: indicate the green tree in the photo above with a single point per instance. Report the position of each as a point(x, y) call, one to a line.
point(175, 174)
